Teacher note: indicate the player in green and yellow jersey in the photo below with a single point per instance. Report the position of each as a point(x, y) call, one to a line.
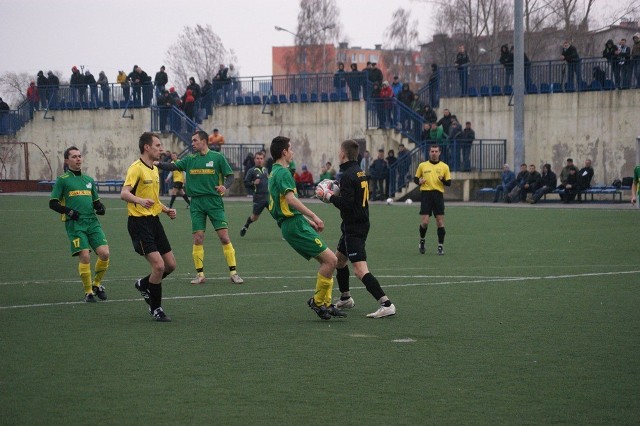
point(141, 191)
point(300, 227)
point(209, 175)
point(178, 183)
point(635, 187)
point(432, 176)
point(75, 196)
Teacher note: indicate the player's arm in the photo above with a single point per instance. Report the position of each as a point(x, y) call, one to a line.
point(54, 204)
point(228, 181)
point(313, 219)
point(163, 165)
point(346, 199)
point(170, 212)
point(130, 197)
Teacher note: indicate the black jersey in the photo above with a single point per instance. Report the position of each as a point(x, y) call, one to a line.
point(353, 201)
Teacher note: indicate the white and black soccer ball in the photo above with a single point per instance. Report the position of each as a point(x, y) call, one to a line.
point(389, 201)
point(327, 185)
point(408, 201)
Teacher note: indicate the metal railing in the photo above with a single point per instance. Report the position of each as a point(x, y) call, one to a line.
point(389, 113)
point(461, 156)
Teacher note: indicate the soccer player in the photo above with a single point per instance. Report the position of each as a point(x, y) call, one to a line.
point(353, 203)
point(75, 196)
point(432, 176)
point(258, 176)
point(141, 191)
point(300, 227)
point(178, 183)
point(209, 177)
point(635, 187)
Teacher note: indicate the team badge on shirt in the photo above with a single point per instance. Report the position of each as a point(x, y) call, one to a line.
point(209, 164)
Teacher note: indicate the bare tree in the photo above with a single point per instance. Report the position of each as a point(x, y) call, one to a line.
point(13, 87)
point(197, 53)
point(402, 36)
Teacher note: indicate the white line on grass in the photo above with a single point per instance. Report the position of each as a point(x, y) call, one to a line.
point(422, 284)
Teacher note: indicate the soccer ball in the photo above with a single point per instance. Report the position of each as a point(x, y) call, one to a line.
point(389, 201)
point(408, 201)
point(327, 185)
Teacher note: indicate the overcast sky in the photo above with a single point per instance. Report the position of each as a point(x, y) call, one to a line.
point(116, 34)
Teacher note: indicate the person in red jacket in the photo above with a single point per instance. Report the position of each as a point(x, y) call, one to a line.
point(304, 182)
point(33, 97)
point(386, 93)
point(188, 103)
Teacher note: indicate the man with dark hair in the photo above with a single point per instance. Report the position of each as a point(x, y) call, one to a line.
point(462, 64)
point(548, 182)
point(354, 211)
point(531, 183)
point(75, 196)
point(209, 176)
point(570, 55)
point(379, 172)
point(300, 227)
point(141, 191)
point(160, 81)
point(585, 175)
point(258, 177)
point(432, 176)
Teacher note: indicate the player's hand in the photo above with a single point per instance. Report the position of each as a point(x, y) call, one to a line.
point(327, 196)
point(101, 211)
point(317, 223)
point(146, 203)
point(441, 178)
point(257, 181)
point(73, 214)
point(172, 213)
point(221, 189)
point(633, 200)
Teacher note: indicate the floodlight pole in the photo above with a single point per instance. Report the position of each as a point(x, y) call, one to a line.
point(302, 40)
point(518, 86)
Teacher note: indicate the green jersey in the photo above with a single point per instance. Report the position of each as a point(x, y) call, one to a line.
point(77, 192)
point(204, 172)
point(280, 182)
point(636, 178)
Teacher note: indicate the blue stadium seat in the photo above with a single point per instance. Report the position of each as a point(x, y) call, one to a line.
point(595, 85)
point(247, 100)
point(472, 92)
point(274, 100)
point(304, 98)
point(344, 97)
point(508, 90)
point(532, 89)
point(569, 87)
point(314, 97)
point(116, 104)
point(282, 99)
point(545, 88)
point(608, 85)
point(265, 99)
point(256, 100)
point(484, 91)
point(556, 88)
point(324, 97)
point(293, 98)
point(496, 90)
point(333, 97)
point(239, 100)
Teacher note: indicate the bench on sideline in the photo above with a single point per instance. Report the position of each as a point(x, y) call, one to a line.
point(615, 192)
point(113, 185)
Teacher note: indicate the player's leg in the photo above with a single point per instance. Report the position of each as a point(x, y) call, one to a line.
point(258, 206)
point(229, 255)
point(386, 308)
point(342, 276)
point(184, 197)
point(198, 226)
point(173, 193)
point(324, 279)
point(84, 269)
point(425, 212)
point(102, 264)
point(438, 212)
point(154, 287)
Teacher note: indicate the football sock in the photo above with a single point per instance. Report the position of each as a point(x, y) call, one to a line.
point(373, 286)
point(342, 275)
point(186, 199)
point(173, 199)
point(386, 303)
point(324, 285)
point(230, 256)
point(155, 295)
point(101, 268)
point(84, 269)
point(198, 257)
point(249, 222)
point(144, 282)
point(441, 233)
point(423, 231)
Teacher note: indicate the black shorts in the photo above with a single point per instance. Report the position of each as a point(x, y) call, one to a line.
point(178, 185)
point(352, 242)
point(432, 203)
point(259, 204)
point(147, 235)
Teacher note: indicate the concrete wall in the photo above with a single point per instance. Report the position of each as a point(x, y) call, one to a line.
point(602, 126)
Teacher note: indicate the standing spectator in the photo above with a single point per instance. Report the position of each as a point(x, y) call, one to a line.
point(375, 74)
point(506, 59)
point(531, 183)
point(220, 81)
point(75, 196)
point(507, 184)
point(147, 88)
point(93, 88)
point(207, 97)
point(416, 104)
point(123, 80)
point(160, 81)
point(195, 88)
point(624, 64)
point(135, 77)
point(466, 142)
point(164, 106)
point(462, 64)
point(391, 160)
point(386, 96)
point(635, 186)
point(376, 104)
point(339, 80)
point(436, 134)
point(404, 162)
point(432, 176)
point(406, 97)
point(54, 84)
point(209, 177)
point(103, 82)
point(635, 57)
point(429, 114)
point(216, 140)
point(33, 97)
point(453, 152)
point(146, 231)
point(188, 104)
point(379, 172)
point(354, 212)
point(355, 81)
point(434, 86)
point(445, 121)
point(571, 57)
point(609, 53)
point(548, 182)
point(396, 88)
point(4, 117)
point(257, 177)
point(234, 83)
point(78, 88)
point(327, 172)
point(41, 83)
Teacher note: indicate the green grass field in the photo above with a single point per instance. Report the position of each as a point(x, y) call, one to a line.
point(531, 317)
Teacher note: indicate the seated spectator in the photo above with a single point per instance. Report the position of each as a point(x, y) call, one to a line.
point(521, 178)
point(216, 140)
point(565, 172)
point(429, 114)
point(531, 183)
point(585, 175)
point(508, 183)
point(548, 183)
point(304, 182)
point(379, 172)
point(570, 186)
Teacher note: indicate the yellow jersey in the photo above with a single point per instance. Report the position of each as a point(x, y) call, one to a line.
point(145, 183)
point(431, 173)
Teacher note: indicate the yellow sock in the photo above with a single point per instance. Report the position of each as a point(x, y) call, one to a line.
point(198, 257)
point(230, 256)
point(101, 268)
point(324, 286)
point(84, 269)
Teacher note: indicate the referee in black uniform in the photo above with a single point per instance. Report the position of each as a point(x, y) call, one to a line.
point(353, 203)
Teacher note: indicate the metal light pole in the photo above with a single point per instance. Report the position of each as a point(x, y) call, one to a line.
point(518, 84)
point(303, 39)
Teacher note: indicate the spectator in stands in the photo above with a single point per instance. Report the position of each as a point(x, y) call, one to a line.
point(54, 84)
point(416, 104)
point(103, 82)
point(327, 172)
point(4, 117)
point(585, 175)
point(570, 55)
point(164, 106)
point(355, 80)
point(379, 171)
point(123, 80)
point(521, 178)
point(135, 77)
point(90, 80)
point(434, 86)
point(507, 184)
point(609, 54)
point(445, 121)
point(396, 88)
point(220, 80)
point(635, 186)
point(403, 167)
point(41, 84)
point(570, 186)
point(175, 98)
point(375, 75)
point(462, 64)
point(624, 64)
point(339, 80)
point(564, 173)
point(391, 160)
point(531, 183)
point(548, 182)
point(234, 84)
point(147, 88)
point(386, 94)
point(160, 81)
point(635, 57)
point(429, 114)
point(77, 85)
point(406, 96)
point(188, 104)
point(426, 130)
point(34, 98)
point(216, 140)
point(466, 141)
point(506, 59)
point(195, 88)
point(436, 134)
point(305, 182)
point(207, 97)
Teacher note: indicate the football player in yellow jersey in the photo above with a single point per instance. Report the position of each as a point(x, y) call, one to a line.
point(432, 176)
point(141, 191)
point(178, 183)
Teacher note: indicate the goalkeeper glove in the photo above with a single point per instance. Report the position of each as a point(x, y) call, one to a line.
point(99, 207)
point(73, 214)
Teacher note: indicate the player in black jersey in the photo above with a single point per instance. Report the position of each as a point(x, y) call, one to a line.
point(353, 203)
